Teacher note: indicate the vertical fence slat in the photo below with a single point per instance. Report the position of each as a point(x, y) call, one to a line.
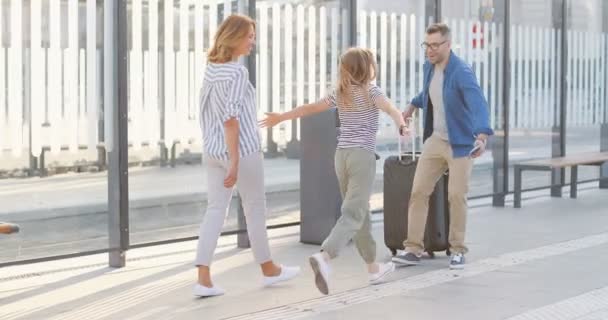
point(462, 38)
point(533, 89)
point(276, 66)
point(373, 33)
point(580, 79)
point(185, 122)
point(213, 16)
point(54, 76)
point(4, 140)
point(136, 123)
point(570, 72)
point(476, 53)
point(486, 73)
point(527, 101)
point(403, 55)
point(15, 85)
point(513, 72)
point(603, 53)
point(82, 99)
point(559, 69)
point(363, 28)
point(288, 22)
point(590, 75)
point(152, 96)
point(576, 75)
point(412, 57)
point(334, 45)
point(300, 60)
point(552, 77)
point(71, 78)
point(263, 66)
point(193, 132)
point(546, 56)
point(169, 76)
point(538, 84)
point(492, 72)
point(520, 74)
point(532, 107)
point(597, 71)
point(383, 51)
point(37, 87)
point(470, 51)
point(322, 51)
point(421, 58)
point(312, 54)
point(584, 73)
point(499, 76)
point(393, 59)
point(92, 74)
point(227, 8)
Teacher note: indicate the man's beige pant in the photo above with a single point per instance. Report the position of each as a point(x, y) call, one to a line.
point(436, 158)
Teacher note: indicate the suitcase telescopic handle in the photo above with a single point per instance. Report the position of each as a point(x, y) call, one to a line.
point(411, 125)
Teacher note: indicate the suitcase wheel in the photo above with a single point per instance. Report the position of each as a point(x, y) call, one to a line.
point(448, 252)
point(431, 254)
point(393, 252)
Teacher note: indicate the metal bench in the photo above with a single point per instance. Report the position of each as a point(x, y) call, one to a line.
point(549, 164)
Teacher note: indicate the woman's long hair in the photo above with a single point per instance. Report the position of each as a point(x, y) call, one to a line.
point(229, 36)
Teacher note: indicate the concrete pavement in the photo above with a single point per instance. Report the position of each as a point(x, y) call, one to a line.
point(544, 261)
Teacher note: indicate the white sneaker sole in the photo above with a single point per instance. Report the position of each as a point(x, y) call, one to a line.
point(457, 267)
point(403, 262)
point(320, 281)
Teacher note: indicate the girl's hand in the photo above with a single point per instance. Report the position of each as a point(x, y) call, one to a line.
point(271, 120)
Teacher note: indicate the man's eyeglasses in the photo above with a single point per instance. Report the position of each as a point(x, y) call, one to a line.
point(432, 46)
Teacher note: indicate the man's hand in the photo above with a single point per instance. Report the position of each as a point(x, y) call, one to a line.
point(480, 144)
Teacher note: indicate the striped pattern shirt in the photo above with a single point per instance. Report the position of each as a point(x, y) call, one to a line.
point(358, 123)
point(227, 93)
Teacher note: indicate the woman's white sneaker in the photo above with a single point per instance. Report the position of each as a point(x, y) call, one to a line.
point(287, 273)
point(202, 291)
point(384, 270)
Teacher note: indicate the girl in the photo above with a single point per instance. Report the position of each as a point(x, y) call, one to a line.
point(232, 152)
point(358, 102)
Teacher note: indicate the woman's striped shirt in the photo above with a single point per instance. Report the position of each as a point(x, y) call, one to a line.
point(227, 93)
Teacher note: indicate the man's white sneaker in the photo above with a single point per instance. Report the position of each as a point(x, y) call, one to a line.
point(287, 273)
point(202, 291)
point(384, 270)
point(322, 270)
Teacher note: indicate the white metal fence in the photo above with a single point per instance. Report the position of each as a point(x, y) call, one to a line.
point(50, 86)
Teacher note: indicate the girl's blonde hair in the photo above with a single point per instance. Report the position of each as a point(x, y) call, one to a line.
point(357, 69)
point(229, 36)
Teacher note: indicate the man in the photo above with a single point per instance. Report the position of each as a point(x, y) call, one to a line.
point(456, 129)
point(8, 228)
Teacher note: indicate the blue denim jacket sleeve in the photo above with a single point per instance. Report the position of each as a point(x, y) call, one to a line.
point(475, 101)
point(417, 101)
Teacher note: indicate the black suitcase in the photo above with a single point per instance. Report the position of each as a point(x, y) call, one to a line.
point(398, 180)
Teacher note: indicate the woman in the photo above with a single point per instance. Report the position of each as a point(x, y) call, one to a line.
point(359, 102)
point(233, 153)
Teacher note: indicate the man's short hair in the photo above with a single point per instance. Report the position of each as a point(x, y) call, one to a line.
point(440, 28)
